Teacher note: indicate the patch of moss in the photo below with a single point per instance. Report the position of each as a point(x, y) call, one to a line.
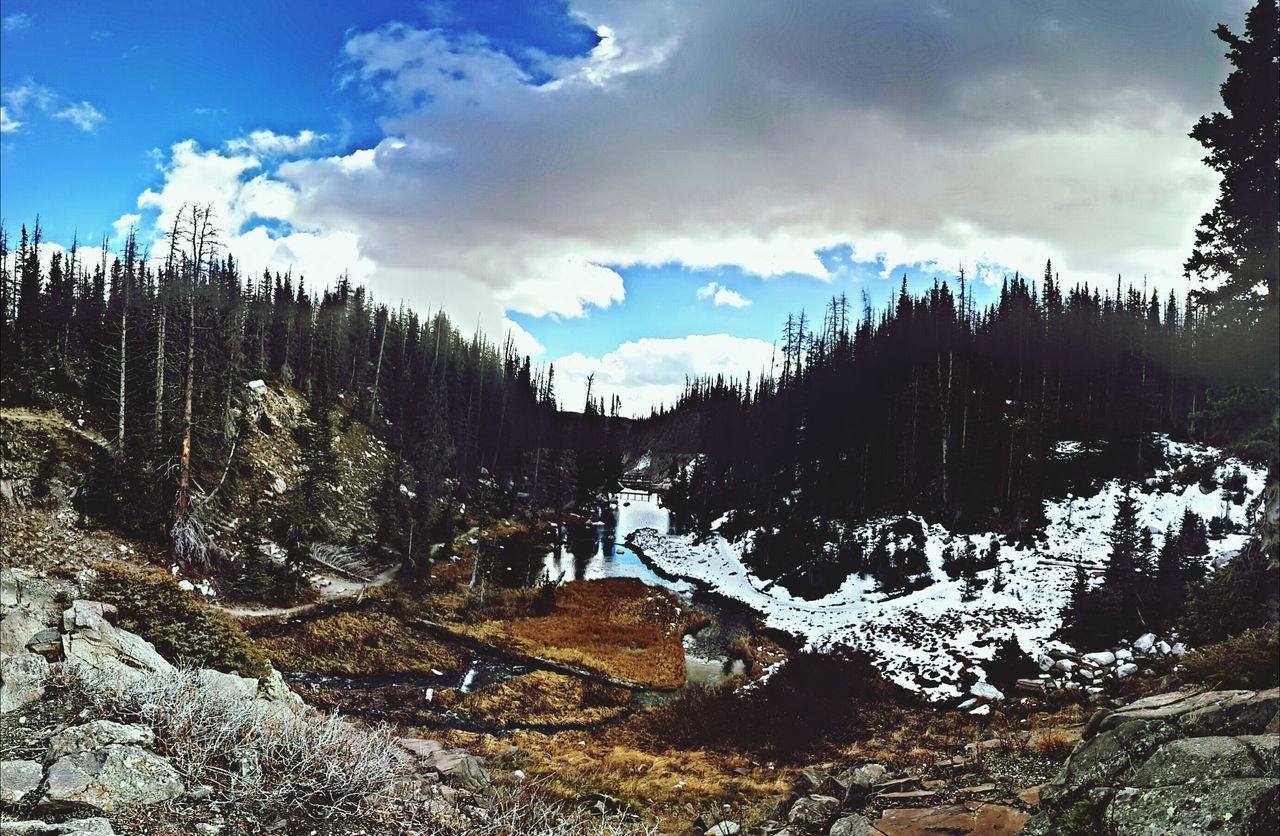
point(182, 628)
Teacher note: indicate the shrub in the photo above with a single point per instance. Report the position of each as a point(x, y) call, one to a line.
point(814, 702)
point(255, 752)
point(1249, 660)
point(182, 628)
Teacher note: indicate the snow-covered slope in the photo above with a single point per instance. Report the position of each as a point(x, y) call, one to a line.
point(925, 640)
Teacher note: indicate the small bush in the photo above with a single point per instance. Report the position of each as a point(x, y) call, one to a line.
point(1249, 660)
point(815, 702)
point(181, 627)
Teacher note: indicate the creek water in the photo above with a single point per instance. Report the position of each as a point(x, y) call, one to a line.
point(591, 552)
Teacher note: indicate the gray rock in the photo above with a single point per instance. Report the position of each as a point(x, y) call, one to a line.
point(17, 628)
point(112, 777)
point(471, 774)
point(724, 828)
point(75, 827)
point(228, 685)
point(1106, 760)
point(96, 734)
point(46, 643)
point(851, 826)
point(22, 679)
point(1247, 714)
point(17, 778)
point(273, 688)
point(1197, 758)
point(1239, 807)
point(1266, 748)
point(814, 812)
point(112, 654)
point(91, 615)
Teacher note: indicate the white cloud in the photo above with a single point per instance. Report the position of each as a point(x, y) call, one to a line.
point(83, 115)
point(1003, 136)
point(721, 295)
point(242, 199)
point(30, 98)
point(123, 224)
point(16, 22)
point(524, 342)
point(7, 123)
point(271, 144)
point(1006, 135)
point(648, 372)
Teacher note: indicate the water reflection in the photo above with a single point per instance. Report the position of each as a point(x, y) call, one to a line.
point(590, 552)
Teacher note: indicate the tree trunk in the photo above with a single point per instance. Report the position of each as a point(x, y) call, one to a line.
point(158, 419)
point(184, 473)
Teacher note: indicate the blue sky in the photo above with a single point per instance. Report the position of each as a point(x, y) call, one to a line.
point(634, 191)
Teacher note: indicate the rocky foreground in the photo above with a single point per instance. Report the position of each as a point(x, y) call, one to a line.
point(103, 735)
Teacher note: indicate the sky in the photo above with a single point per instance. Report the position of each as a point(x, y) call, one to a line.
point(635, 191)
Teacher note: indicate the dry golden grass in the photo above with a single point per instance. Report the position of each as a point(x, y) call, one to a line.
point(617, 628)
point(355, 643)
point(1052, 743)
point(921, 736)
point(660, 781)
point(541, 698)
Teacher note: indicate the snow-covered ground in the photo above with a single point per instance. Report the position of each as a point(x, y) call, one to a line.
point(927, 639)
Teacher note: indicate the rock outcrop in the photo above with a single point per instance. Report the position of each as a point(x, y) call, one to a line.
point(103, 764)
point(1182, 762)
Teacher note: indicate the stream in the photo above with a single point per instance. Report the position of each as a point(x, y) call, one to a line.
point(591, 552)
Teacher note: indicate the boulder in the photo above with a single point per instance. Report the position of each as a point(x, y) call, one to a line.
point(851, 826)
point(814, 812)
point(16, 629)
point(1240, 807)
point(985, 690)
point(47, 643)
point(1194, 759)
point(90, 615)
point(471, 774)
point(228, 685)
point(22, 679)
point(96, 734)
point(1101, 659)
point(1180, 762)
point(112, 653)
point(273, 688)
point(1127, 669)
point(1144, 643)
point(724, 828)
point(75, 827)
point(17, 778)
point(112, 777)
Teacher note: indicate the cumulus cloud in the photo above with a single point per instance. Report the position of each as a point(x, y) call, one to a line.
point(745, 134)
point(649, 372)
point(721, 295)
point(1006, 134)
point(256, 215)
point(524, 342)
